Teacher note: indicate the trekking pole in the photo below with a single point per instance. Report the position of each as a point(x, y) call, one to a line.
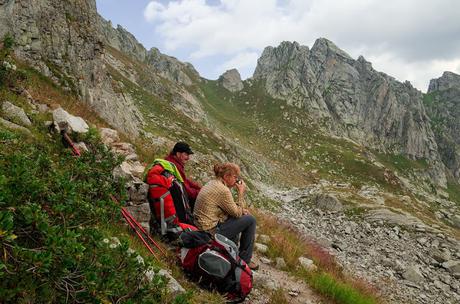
point(69, 141)
point(139, 235)
point(143, 231)
point(133, 224)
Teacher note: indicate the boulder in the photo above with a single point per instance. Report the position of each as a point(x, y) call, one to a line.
point(109, 136)
point(413, 274)
point(140, 212)
point(328, 202)
point(137, 191)
point(13, 126)
point(15, 114)
point(231, 80)
point(68, 122)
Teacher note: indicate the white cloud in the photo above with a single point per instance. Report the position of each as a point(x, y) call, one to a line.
point(415, 34)
point(240, 61)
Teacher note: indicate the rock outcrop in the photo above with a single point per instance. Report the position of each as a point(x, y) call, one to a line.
point(61, 40)
point(443, 106)
point(352, 99)
point(231, 80)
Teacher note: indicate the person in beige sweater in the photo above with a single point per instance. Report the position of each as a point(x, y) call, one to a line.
point(216, 211)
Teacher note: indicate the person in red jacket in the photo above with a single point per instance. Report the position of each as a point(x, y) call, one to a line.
point(179, 156)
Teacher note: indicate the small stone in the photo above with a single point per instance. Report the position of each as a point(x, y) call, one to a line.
point(264, 239)
point(307, 264)
point(280, 263)
point(261, 247)
point(265, 260)
point(173, 286)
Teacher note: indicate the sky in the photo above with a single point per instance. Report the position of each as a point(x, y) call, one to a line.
point(415, 40)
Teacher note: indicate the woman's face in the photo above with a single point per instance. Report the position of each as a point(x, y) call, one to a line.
point(230, 179)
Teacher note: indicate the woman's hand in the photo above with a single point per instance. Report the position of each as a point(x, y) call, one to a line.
point(240, 187)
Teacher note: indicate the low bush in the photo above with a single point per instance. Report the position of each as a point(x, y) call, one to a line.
point(52, 206)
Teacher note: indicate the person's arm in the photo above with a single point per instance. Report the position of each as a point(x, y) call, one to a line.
point(191, 192)
point(194, 185)
point(228, 205)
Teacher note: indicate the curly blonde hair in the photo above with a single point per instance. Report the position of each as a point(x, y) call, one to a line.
point(220, 170)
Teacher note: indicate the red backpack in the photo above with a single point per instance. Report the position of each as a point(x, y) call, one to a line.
point(215, 264)
point(170, 211)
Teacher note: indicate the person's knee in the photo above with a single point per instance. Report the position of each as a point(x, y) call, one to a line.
point(251, 219)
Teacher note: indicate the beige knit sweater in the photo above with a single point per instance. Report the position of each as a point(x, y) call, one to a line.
point(215, 204)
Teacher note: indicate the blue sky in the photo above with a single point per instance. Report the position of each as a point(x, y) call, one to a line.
point(409, 40)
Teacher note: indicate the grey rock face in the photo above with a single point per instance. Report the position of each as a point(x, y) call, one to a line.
point(443, 106)
point(447, 81)
point(353, 99)
point(121, 39)
point(231, 80)
point(61, 39)
point(171, 68)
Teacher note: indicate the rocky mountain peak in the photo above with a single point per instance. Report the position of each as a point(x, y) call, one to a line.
point(289, 55)
point(446, 81)
point(324, 47)
point(171, 68)
point(121, 39)
point(231, 80)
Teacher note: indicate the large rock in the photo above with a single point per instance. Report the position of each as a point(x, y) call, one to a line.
point(413, 274)
point(328, 202)
point(231, 80)
point(140, 212)
point(68, 122)
point(15, 114)
point(13, 126)
point(109, 136)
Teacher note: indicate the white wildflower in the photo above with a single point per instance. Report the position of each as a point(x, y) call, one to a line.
point(140, 260)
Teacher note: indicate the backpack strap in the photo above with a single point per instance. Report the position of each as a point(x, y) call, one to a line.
point(163, 221)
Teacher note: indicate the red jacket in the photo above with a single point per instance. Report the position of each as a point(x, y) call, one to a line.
point(191, 187)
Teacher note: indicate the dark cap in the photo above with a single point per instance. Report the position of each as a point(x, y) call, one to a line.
point(182, 147)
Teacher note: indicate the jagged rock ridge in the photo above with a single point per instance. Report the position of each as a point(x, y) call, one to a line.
point(353, 99)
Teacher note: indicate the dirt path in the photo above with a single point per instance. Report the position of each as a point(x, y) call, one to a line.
point(268, 279)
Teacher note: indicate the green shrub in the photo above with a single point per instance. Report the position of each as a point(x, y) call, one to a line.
point(52, 206)
point(8, 42)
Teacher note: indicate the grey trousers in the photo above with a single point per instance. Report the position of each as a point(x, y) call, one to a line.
point(246, 225)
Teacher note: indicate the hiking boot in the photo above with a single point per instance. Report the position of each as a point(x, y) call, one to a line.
point(253, 266)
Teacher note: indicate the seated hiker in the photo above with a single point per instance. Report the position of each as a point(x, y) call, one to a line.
point(179, 156)
point(217, 212)
point(170, 210)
